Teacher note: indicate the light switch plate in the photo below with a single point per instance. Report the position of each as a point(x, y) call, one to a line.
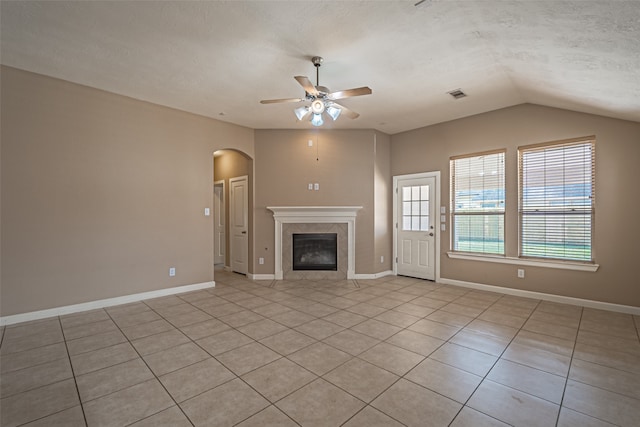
point(443, 209)
point(443, 227)
point(207, 212)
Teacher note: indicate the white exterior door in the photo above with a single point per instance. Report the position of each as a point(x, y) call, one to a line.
point(238, 225)
point(416, 227)
point(219, 217)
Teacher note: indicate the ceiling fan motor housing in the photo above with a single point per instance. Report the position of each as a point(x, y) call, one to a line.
point(323, 91)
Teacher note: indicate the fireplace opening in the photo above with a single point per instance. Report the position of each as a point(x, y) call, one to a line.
point(315, 251)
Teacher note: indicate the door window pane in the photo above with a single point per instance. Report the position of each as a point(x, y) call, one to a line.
point(406, 222)
point(415, 208)
point(406, 193)
point(424, 191)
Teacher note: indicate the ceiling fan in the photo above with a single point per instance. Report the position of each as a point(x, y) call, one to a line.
point(322, 99)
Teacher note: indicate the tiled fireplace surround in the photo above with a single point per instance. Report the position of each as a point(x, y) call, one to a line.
point(287, 251)
point(314, 219)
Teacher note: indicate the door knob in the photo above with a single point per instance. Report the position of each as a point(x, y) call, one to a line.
point(431, 234)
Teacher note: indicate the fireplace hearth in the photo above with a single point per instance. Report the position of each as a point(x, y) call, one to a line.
point(315, 251)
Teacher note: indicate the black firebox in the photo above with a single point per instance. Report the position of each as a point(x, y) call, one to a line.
point(315, 251)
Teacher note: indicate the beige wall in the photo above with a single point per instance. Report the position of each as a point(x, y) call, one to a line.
point(383, 195)
point(233, 164)
point(617, 229)
point(343, 162)
point(101, 193)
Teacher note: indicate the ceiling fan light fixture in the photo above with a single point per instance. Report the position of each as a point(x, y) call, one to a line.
point(302, 112)
point(317, 106)
point(316, 120)
point(333, 112)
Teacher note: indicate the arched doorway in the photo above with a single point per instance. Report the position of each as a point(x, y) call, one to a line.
point(233, 210)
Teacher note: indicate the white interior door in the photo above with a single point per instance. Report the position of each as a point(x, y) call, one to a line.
point(416, 227)
point(238, 225)
point(219, 217)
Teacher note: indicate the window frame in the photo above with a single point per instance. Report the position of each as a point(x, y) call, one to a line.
point(563, 210)
point(453, 212)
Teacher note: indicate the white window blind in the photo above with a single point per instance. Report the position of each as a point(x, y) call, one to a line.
point(557, 189)
point(477, 202)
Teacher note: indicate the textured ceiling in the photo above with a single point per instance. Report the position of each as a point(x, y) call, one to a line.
point(219, 59)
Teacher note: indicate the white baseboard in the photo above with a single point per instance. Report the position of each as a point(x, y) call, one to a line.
point(373, 276)
point(261, 276)
point(92, 305)
point(628, 309)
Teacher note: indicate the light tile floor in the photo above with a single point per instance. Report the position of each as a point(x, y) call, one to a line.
point(386, 352)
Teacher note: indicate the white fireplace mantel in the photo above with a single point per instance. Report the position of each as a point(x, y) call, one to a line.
point(315, 214)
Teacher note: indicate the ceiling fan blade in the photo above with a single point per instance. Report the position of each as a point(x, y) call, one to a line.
point(347, 112)
point(307, 85)
point(277, 101)
point(350, 92)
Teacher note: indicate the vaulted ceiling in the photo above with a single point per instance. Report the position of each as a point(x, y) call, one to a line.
point(220, 58)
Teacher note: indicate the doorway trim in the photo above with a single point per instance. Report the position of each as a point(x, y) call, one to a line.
point(220, 208)
point(396, 178)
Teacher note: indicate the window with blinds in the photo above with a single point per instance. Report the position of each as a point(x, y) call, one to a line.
point(477, 202)
point(556, 192)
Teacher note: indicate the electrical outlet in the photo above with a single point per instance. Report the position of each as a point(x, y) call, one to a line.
point(316, 186)
point(260, 260)
point(310, 186)
point(521, 273)
point(172, 271)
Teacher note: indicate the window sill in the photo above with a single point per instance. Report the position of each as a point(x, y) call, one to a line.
point(564, 265)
